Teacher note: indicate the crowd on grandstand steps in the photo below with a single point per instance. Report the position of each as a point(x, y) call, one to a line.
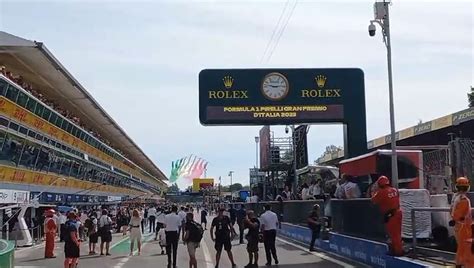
point(19, 80)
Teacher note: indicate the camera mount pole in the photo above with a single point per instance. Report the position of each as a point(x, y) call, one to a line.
point(382, 18)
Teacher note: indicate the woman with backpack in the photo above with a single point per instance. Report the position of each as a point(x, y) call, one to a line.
point(192, 236)
point(135, 233)
point(105, 230)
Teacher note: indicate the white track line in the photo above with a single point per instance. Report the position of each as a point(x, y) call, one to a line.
point(207, 255)
point(320, 255)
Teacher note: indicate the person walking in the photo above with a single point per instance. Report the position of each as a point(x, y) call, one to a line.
point(314, 224)
point(232, 215)
point(160, 221)
point(92, 233)
point(162, 240)
point(253, 224)
point(82, 230)
point(462, 221)
point(62, 222)
point(222, 236)
point(135, 233)
point(105, 230)
point(192, 236)
point(144, 219)
point(182, 215)
point(240, 215)
point(269, 225)
point(50, 228)
point(152, 219)
point(388, 201)
point(204, 218)
point(72, 245)
point(172, 226)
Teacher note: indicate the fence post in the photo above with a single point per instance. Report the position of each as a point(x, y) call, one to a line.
point(413, 231)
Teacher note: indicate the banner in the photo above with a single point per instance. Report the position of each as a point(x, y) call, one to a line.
point(24, 116)
point(13, 196)
point(23, 176)
point(199, 184)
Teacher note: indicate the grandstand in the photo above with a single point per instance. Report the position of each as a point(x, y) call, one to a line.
point(51, 127)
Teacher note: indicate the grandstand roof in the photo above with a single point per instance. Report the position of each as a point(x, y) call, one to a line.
point(36, 64)
point(434, 132)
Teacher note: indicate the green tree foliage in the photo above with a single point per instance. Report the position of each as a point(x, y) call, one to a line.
point(173, 188)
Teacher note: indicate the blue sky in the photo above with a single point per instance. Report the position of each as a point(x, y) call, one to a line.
point(141, 59)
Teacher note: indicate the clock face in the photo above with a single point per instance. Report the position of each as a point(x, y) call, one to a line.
point(275, 86)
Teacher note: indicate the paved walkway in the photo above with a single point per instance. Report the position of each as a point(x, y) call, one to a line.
point(290, 255)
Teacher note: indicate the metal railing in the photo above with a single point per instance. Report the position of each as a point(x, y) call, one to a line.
point(444, 254)
point(15, 234)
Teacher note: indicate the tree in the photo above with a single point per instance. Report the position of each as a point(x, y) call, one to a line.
point(331, 149)
point(236, 187)
point(470, 97)
point(173, 188)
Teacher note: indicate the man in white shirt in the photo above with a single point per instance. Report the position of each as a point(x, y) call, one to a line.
point(83, 219)
point(340, 190)
point(182, 216)
point(160, 221)
point(56, 220)
point(352, 190)
point(152, 218)
point(172, 226)
point(315, 190)
point(269, 225)
point(305, 192)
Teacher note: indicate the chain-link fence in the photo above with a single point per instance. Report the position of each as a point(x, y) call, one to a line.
point(442, 166)
point(462, 157)
point(436, 171)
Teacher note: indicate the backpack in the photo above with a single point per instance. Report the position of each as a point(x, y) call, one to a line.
point(195, 232)
point(88, 224)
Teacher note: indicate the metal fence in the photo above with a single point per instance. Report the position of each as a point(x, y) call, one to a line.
point(463, 158)
point(442, 256)
point(442, 166)
point(15, 235)
point(436, 170)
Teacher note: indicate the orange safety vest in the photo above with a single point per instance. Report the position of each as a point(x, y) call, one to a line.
point(49, 229)
point(461, 214)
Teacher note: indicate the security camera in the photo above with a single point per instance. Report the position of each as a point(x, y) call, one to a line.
point(372, 30)
point(287, 130)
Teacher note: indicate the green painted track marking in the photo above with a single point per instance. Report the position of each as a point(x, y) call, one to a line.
point(123, 246)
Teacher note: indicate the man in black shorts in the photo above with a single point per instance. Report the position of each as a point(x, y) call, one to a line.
point(204, 218)
point(222, 236)
point(253, 224)
point(71, 239)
